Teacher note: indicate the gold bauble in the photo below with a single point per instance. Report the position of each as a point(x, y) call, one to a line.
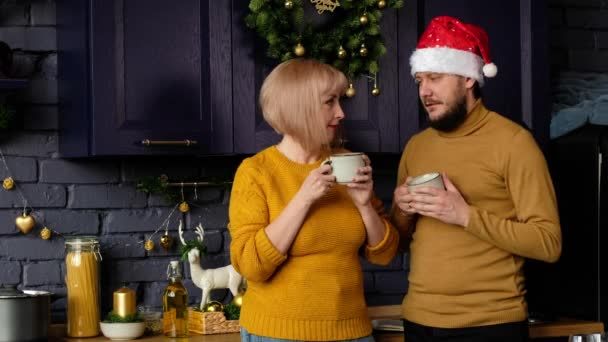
point(213, 306)
point(363, 19)
point(166, 241)
point(25, 223)
point(363, 50)
point(45, 233)
point(350, 92)
point(342, 53)
point(299, 50)
point(381, 4)
point(376, 91)
point(289, 4)
point(149, 245)
point(8, 183)
point(238, 299)
point(184, 207)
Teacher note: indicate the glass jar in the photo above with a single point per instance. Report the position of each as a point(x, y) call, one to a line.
point(82, 282)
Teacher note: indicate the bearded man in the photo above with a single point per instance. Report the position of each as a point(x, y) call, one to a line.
point(468, 242)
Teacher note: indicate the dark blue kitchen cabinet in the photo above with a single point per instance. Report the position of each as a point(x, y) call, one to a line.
point(174, 73)
point(136, 71)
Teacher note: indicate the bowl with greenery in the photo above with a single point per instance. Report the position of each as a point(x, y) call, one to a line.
point(116, 327)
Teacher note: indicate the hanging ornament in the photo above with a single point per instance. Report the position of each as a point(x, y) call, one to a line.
point(381, 4)
point(184, 207)
point(288, 4)
point(8, 183)
point(299, 50)
point(363, 50)
point(364, 19)
point(376, 91)
point(45, 233)
point(238, 299)
point(213, 306)
point(325, 5)
point(342, 53)
point(25, 223)
point(166, 241)
point(149, 245)
point(350, 92)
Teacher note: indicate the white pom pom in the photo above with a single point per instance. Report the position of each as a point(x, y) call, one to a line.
point(490, 70)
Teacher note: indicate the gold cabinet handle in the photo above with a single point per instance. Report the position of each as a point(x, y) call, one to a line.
point(187, 142)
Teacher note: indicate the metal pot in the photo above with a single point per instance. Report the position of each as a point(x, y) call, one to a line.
point(25, 315)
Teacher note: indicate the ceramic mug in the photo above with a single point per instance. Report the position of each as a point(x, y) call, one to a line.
point(344, 165)
point(433, 180)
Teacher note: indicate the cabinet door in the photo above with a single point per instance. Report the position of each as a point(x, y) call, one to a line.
point(371, 123)
point(158, 71)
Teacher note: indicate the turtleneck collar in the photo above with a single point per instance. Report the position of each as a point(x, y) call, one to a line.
point(473, 121)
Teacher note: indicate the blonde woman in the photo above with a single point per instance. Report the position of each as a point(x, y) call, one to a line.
point(296, 234)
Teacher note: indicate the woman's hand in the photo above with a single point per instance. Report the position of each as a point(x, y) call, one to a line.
point(403, 198)
point(360, 189)
point(317, 184)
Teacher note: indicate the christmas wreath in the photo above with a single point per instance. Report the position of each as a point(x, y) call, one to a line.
point(350, 40)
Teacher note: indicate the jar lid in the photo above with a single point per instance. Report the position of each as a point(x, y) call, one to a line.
point(81, 240)
point(11, 291)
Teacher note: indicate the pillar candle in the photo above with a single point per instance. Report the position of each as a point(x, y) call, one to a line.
point(124, 302)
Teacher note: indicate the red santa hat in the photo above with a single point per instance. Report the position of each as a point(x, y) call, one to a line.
point(452, 47)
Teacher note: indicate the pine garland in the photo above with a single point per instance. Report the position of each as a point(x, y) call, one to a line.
point(284, 27)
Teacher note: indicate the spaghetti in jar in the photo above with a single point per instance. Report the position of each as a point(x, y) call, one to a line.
point(82, 282)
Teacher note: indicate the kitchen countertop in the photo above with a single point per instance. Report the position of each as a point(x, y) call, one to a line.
point(564, 327)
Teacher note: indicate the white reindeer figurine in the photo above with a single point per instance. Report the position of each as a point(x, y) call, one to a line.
point(215, 278)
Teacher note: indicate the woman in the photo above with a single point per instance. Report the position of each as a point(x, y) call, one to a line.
point(295, 233)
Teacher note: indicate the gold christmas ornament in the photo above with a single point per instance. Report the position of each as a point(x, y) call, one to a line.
point(184, 207)
point(213, 306)
point(364, 19)
point(289, 4)
point(381, 4)
point(149, 245)
point(350, 92)
point(363, 50)
point(8, 183)
point(342, 53)
point(238, 299)
point(25, 223)
point(376, 91)
point(299, 50)
point(166, 241)
point(45, 233)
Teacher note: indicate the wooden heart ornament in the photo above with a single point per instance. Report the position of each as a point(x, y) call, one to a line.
point(25, 223)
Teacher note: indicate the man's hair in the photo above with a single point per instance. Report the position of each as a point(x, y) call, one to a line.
point(291, 99)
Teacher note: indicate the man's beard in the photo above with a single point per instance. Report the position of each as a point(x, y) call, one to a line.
point(452, 118)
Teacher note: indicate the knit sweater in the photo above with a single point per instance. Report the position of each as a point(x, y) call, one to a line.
point(472, 276)
point(315, 291)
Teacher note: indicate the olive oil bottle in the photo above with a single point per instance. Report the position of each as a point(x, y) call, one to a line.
point(175, 303)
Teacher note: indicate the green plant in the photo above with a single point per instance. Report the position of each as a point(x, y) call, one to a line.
point(114, 318)
point(190, 245)
point(232, 312)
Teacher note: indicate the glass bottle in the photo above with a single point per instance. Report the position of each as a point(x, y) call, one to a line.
point(175, 303)
point(82, 282)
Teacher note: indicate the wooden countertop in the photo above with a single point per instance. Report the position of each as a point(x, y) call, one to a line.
point(558, 328)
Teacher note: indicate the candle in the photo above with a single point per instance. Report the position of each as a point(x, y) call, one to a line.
point(124, 302)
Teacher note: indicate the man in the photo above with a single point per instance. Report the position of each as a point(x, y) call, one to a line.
point(469, 241)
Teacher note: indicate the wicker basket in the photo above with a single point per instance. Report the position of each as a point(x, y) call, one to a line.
point(211, 323)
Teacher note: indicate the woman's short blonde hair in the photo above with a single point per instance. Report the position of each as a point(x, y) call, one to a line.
point(292, 95)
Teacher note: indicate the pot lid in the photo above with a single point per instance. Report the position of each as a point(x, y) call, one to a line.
point(11, 291)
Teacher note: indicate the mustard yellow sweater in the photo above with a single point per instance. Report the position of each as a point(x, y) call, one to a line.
point(462, 277)
point(315, 292)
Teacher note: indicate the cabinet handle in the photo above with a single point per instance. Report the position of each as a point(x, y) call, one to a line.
point(187, 142)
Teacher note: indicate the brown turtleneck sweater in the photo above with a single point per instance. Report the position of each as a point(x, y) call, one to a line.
point(464, 277)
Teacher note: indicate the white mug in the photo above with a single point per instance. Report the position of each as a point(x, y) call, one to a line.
point(433, 180)
point(344, 165)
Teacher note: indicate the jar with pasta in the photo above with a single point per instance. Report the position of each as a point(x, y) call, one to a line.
point(82, 282)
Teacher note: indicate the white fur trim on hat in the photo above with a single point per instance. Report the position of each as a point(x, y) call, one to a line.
point(447, 61)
